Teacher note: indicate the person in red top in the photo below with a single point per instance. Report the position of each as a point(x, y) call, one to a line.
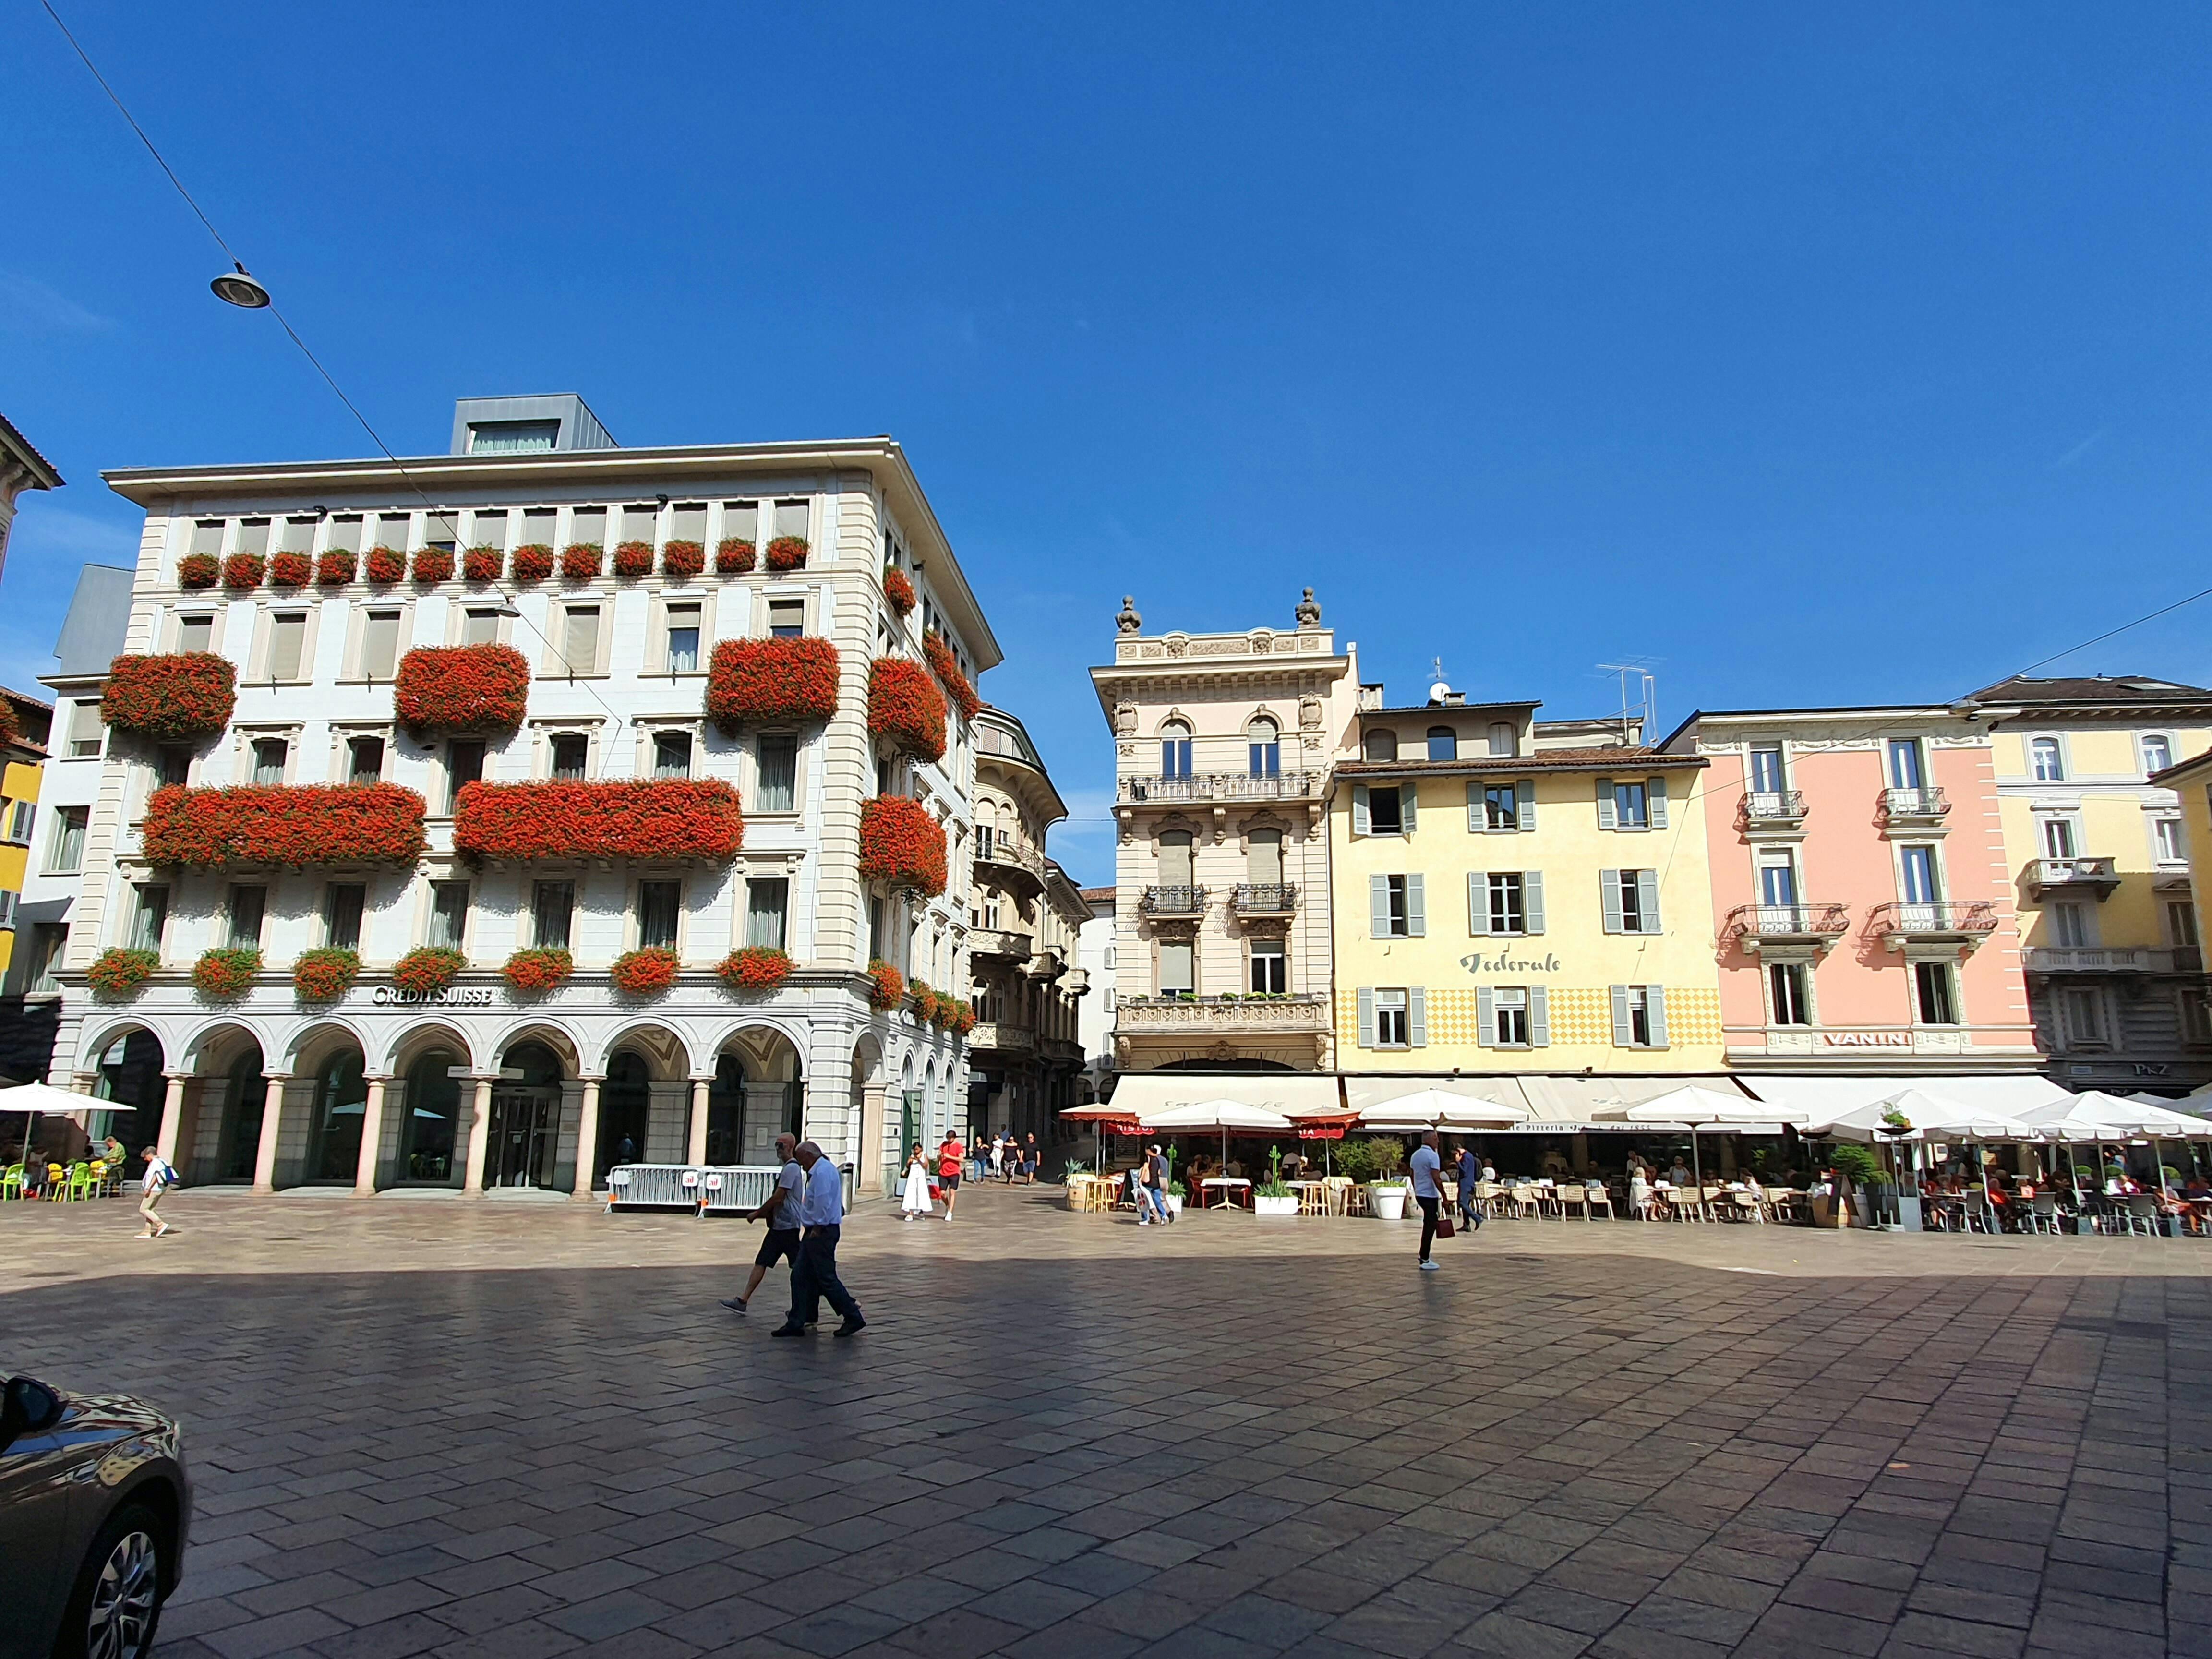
point(952, 1158)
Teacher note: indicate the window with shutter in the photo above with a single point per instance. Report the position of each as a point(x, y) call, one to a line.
point(1417, 1017)
point(1408, 795)
point(1540, 1017)
point(1654, 796)
point(1477, 902)
point(1622, 1038)
point(1478, 817)
point(1360, 821)
point(1485, 1016)
point(1532, 899)
point(1647, 901)
point(1378, 906)
point(1608, 895)
point(1417, 909)
point(1367, 1017)
point(1524, 797)
point(1655, 1005)
point(1605, 818)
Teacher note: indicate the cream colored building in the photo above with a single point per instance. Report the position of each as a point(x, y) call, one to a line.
point(1222, 747)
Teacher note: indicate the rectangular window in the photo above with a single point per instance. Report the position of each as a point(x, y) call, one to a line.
point(442, 530)
point(1637, 914)
point(196, 634)
point(465, 765)
point(1501, 807)
point(364, 760)
point(379, 644)
point(538, 527)
point(659, 905)
point(85, 730)
point(480, 625)
point(682, 639)
point(287, 643)
point(172, 765)
point(1174, 755)
point(66, 853)
point(2181, 924)
point(641, 524)
point(787, 618)
point(689, 524)
point(247, 906)
point(1632, 806)
point(767, 907)
point(1265, 759)
point(298, 536)
point(1904, 769)
point(253, 536)
point(1394, 919)
point(2082, 1011)
point(1767, 769)
point(671, 755)
point(1789, 986)
point(1508, 911)
point(790, 518)
point(20, 816)
point(2157, 754)
point(1509, 1018)
point(345, 533)
point(741, 522)
point(779, 773)
point(588, 526)
point(207, 536)
point(1176, 968)
point(1385, 812)
point(2196, 1016)
point(2057, 838)
point(449, 914)
point(343, 904)
point(1390, 1023)
point(2165, 840)
point(511, 437)
point(1934, 994)
point(2069, 924)
point(50, 942)
point(1639, 1016)
point(1917, 878)
point(1777, 881)
point(571, 751)
point(580, 639)
point(391, 531)
point(552, 906)
point(488, 529)
point(1270, 967)
point(269, 755)
point(151, 918)
point(2046, 761)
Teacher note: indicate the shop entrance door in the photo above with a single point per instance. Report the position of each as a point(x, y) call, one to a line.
point(523, 1120)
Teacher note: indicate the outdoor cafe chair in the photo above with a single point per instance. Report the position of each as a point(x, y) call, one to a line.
point(1570, 1197)
point(1488, 1198)
point(2041, 1215)
point(1744, 1205)
point(1598, 1198)
point(2141, 1213)
point(1527, 1200)
point(13, 1183)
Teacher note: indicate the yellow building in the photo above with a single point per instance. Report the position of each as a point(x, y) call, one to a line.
point(1502, 904)
point(24, 727)
point(2099, 853)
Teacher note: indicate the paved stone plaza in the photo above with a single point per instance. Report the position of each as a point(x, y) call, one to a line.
point(513, 1428)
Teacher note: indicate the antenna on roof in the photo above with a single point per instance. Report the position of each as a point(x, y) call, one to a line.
point(1438, 690)
point(1645, 710)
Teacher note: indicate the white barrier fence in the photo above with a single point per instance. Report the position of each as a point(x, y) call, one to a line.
point(709, 1189)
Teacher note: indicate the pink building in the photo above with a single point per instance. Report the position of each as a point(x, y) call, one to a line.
point(1863, 908)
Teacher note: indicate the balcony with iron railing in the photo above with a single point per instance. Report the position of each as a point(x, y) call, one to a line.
point(1265, 898)
point(1299, 1011)
point(1755, 925)
point(1172, 902)
point(1222, 786)
point(1016, 866)
point(1927, 805)
point(2068, 877)
point(1909, 921)
point(1773, 809)
point(997, 942)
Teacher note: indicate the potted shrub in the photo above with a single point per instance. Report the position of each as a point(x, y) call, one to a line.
point(198, 570)
point(644, 972)
point(756, 968)
point(290, 570)
point(325, 975)
point(538, 969)
point(482, 563)
point(681, 560)
point(1272, 1196)
point(533, 561)
point(886, 986)
point(384, 565)
point(581, 560)
point(242, 572)
point(335, 569)
point(786, 553)
point(898, 590)
point(1858, 1172)
point(433, 565)
point(117, 973)
point(633, 560)
point(733, 556)
point(427, 970)
point(225, 971)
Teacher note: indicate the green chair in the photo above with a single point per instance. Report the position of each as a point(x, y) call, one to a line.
point(80, 1183)
point(12, 1182)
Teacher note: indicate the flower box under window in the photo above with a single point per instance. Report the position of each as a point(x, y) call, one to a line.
point(170, 698)
point(289, 824)
point(752, 681)
point(635, 819)
point(462, 688)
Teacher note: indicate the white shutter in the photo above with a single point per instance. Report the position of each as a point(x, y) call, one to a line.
point(1378, 906)
point(1485, 1017)
point(1605, 820)
point(1655, 795)
point(1647, 899)
point(1417, 1017)
point(1540, 1017)
point(1408, 795)
point(1367, 1017)
point(1532, 899)
point(1655, 1000)
point(1524, 803)
point(1359, 820)
point(1477, 902)
point(1475, 819)
point(1608, 898)
point(1624, 1036)
point(1417, 909)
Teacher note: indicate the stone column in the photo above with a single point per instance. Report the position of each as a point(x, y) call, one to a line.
point(172, 1117)
point(272, 1125)
point(697, 1154)
point(372, 1138)
point(587, 1140)
point(479, 1138)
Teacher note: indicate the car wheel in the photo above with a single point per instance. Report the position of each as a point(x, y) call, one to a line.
point(117, 1600)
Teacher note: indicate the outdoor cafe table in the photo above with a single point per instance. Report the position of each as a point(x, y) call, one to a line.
point(1228, 1188)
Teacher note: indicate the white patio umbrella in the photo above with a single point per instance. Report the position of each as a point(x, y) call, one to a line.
point(1440, 1108)
point(1700, 1108)
point(1931, 1120)
point(43, 1100)
point(2093, 1116)
point(1222, 1115)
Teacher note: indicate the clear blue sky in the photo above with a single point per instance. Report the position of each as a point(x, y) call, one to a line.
point(1823, 358)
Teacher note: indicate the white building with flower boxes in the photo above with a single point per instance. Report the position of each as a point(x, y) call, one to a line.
point(482, 821)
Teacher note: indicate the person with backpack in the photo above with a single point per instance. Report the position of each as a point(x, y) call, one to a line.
point(161, 1175)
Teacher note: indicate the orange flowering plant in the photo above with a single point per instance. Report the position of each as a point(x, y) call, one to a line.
point(633, 560)
point(902, 845)
point(172, 697)
point(462, 688)
point(335, 569)
point(384, 565)
point(898, 590)
point(947, 669)
point(290, 570)
point(639, 818)
point(533, 561)
point(733, 556)
point(754, 680)
point(681, 560)
point(886, 986)
point(242, 572)
point(225, 971)
point(582, 561)
point(538, 969)
point(290, 825)
point(325, 973)
point(428, 970)
point(905, 708)
point(756, 968)
point(786, 553)
point(198, 570)
point(117, 973)
point(644, 972)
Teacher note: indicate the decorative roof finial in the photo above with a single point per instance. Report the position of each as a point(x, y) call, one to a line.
point(1309, 613)
point(1129, 621)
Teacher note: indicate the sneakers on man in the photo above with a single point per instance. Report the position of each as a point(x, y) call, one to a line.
point(1432, 1266)
point(734, 1303)
point(788, 1330)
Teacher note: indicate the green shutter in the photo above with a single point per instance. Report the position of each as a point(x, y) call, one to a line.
point(1624, 1036)
point(1378, 906)
point(1655, 797)
point(1654, 997)
point(1524, 803)
point(1417, 1017)
point(1647, 899)
point(1605, 818)
point(1608, 898)
point(1417, 909)
point(1540, 1017)
point(1367, 1017)
point(1532, 899)
point(1485, 1017)
point(1359, 820)
point(1477, 902)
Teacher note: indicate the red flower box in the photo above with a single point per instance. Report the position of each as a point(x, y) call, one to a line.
point(242, 572)
point(963, 1019)
point(117, 973)
point(899, 591)
point(290, 570)
point(644, 972)
point(533, 561)
point(902, 845)
point(733, 556)
point(184, 694)
point(482, 564)
point(291, 824)
point(427, 970)
point(681, 560)
point(198, 570)
point(582, 561)
point(904, 706)
point(225, 971)
point(947, 669)
point(755, 680)
point(756, 968)
point(633, 560)
point(433, 564)
point(925, 1001)
point(335, 569)
point(323, 974)
point(655, 818)
point(386, 565)
point(536, 971)
point(462, 688)
point(787, 553)
point(886, 986)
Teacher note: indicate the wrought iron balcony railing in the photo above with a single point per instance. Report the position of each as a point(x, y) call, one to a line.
point(1774, 806)
point(1914, 804)
point(1173, 902)
point(1753, 923)
point(1265, 898)
point(1917, 919)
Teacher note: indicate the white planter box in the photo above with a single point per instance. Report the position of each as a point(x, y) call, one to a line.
point(1275, 1205)
point(1175, 1203)
point(1386, 1203)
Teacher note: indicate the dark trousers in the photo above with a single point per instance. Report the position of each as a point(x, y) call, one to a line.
point(1428, 1224)
point(815, 1276)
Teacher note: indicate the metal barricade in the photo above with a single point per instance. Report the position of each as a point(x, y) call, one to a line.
point(725, 1188)
point(650, 1186)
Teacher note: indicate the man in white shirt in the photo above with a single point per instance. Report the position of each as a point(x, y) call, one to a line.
point(780, 1211)
point(160, 1176)
point(1428, 1193)
point(822, 1212)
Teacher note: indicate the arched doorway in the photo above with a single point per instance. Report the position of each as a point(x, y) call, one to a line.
point(130, 1078)
point(526, 1119)
point(430, 1118)
point(341, 1107)
point(726, 1110)
point(244, 1100)
point(625, 1111)
point(757, 1094)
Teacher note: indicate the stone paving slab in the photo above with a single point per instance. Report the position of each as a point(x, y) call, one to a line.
point(508, 1429)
